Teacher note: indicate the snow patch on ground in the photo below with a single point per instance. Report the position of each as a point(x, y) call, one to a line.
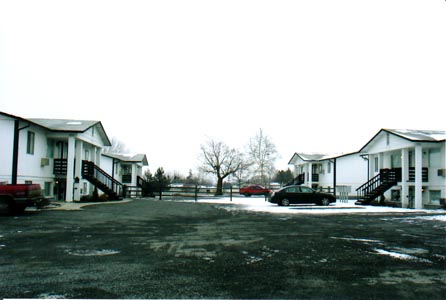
point(258, 204)
point(102, 252)
point(51, 296)
point(357, 240)
point(441, 218)
point(401, 256)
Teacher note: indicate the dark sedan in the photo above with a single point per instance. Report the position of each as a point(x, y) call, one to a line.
point(296, 194)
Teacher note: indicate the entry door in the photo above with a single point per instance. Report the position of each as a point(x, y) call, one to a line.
point(411, 197)
point(60, 189)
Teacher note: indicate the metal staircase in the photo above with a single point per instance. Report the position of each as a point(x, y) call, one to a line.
point(103, 181)
point(300, 179)
point(377, 186)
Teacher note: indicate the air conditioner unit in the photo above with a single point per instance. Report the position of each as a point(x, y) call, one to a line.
point(441, 172)
point(44, 161)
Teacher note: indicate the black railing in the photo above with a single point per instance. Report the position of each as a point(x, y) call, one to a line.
point(378, 185)
point(424, 174)
point(101, 179)
point(60, 166)
point(127, 178)
point(140, 182)
point(300, 179)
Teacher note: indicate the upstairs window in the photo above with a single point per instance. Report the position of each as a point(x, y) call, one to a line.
point(30, 143)
point(435, 157)
point(376, 164)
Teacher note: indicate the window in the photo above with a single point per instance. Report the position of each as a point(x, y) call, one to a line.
point(329, 167)
point(376, 164)
point(411, 159)
point(47, 189)
point(435, 197)
point(434, 157)
point(304, 189)
point(49, 148)
point(395, 195)
point(30, 143)
point(126, 172)
point(291, 190)
point(395, 160)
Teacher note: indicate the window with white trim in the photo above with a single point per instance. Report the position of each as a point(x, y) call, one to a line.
point(434, 196)
point(30, 142)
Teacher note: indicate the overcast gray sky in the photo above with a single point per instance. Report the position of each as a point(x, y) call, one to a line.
point(162, 76)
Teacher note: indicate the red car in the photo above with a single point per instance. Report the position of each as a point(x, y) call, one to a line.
point(254, 190)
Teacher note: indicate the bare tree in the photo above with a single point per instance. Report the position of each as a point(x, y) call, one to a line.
point(217, 158)
point(117, 147)
point(263, 154)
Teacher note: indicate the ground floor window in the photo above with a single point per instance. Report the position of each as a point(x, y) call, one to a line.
point(84, 190)
point(47, 189)
point(395, 195)
point(434, 197)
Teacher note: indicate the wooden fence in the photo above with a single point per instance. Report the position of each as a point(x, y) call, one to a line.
point(194, 192)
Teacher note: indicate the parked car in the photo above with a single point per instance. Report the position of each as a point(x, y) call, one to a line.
point(254, 190)
point(295, 194)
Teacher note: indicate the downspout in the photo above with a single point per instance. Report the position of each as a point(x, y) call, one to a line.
point(334, 177)
point(366, 157)
point(15, 150)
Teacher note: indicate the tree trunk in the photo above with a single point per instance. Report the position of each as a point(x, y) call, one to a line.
point(219, 190)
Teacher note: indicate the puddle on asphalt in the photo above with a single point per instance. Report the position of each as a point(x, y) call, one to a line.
point(102, 252)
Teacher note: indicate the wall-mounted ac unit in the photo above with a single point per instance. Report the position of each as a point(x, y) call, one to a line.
point(441, 172)
point(44, 161)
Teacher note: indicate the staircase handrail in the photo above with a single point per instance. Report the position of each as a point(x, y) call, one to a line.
point(89, 168)
point(384, 180)
point(374, 179)
point(140, 181)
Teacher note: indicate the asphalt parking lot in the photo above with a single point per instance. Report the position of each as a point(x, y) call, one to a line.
point(182, 249)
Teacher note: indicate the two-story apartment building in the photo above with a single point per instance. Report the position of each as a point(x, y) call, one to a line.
point(406, 166)
point(127, 169)
point(340, 174)
point(63, 156)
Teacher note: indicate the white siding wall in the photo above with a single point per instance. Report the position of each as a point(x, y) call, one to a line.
point(107, 164)
point(351, 170)
point(29, 165)
point(326, 177)
point(6, 147)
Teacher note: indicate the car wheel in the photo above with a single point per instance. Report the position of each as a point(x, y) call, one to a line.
point(247, 195)
point(285, 202)
point(325, 202)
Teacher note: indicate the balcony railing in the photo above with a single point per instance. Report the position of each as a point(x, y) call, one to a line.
point(127, 178)
point(60, 166)
point(424, 174)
